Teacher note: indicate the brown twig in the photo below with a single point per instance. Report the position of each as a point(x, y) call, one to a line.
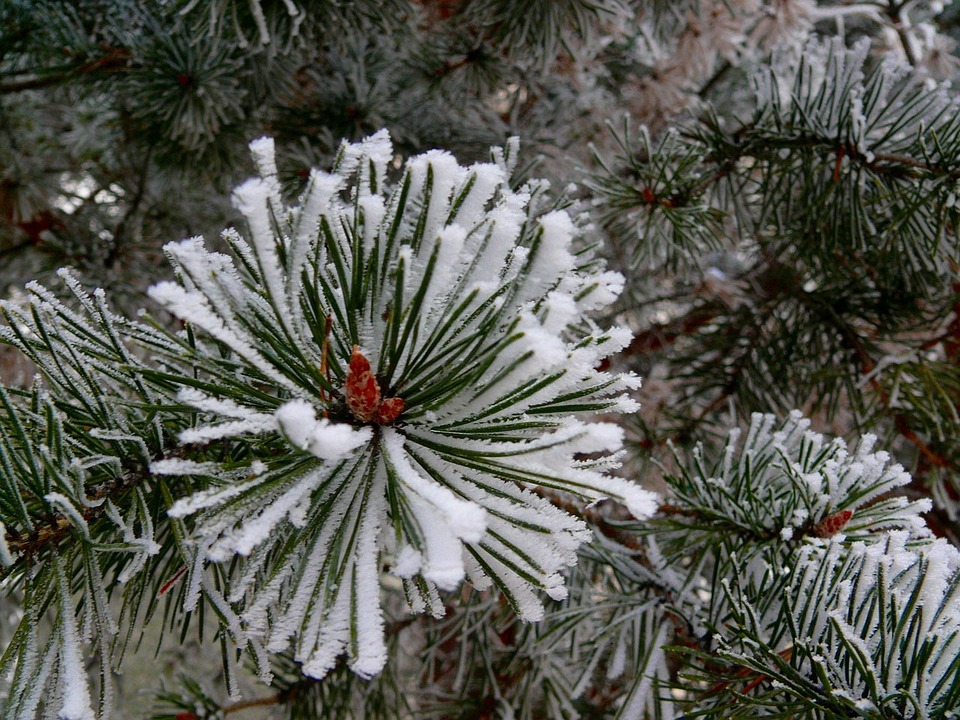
point(256, 702)
point(113, 59)
point(895, 13)
point(30, 543)
point(658, 337)
point(589, 514)
point(121, 228)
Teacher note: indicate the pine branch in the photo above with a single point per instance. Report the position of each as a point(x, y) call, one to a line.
point(901, 421)
point(659, 337)
point(113, 59)
point(16, 247)
point(895, 11)
point(51, 534)
point(133, 208)
point(430, 397)
point(384, 386)
point(268, 701)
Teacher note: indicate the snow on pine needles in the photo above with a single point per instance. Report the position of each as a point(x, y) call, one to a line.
point(404, 362)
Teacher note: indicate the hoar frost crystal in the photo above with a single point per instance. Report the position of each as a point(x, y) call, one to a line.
point(415, 357)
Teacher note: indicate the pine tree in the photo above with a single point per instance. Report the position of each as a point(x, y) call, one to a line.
point(378, 446)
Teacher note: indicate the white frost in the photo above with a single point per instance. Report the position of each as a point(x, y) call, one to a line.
point(74, 686)
point(298, 422)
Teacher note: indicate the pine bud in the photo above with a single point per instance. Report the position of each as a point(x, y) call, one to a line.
point(831, 524)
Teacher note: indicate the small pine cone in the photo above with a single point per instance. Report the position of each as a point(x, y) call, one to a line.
point(388, 411)
point(361, 388)
point(831, 524)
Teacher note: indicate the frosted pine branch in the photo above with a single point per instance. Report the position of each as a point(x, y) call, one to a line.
point(810, 574)
point(414, 357)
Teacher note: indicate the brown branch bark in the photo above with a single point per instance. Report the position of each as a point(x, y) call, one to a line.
point(658, 337)
point(60, 526)
point(113, 59)
point(254, 703)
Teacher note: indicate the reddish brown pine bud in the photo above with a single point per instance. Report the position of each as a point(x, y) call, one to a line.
point(361, 388)
point(832, 524)
point(186, 716)
point(389, 410)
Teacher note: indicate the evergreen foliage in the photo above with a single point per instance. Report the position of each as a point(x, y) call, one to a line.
point(379, 449)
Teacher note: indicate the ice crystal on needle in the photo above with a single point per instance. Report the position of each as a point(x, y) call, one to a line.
point(414, 358)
